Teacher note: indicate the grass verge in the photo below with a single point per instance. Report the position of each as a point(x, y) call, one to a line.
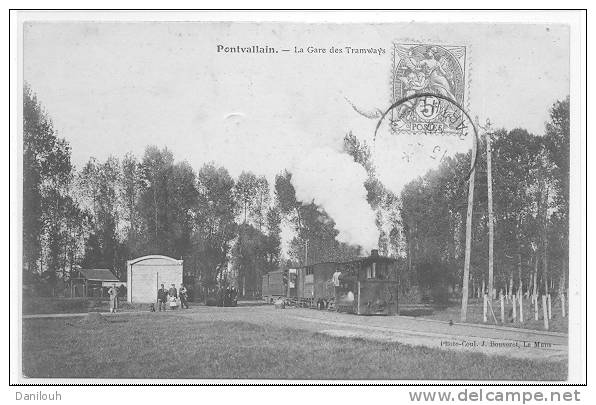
point(170, 346)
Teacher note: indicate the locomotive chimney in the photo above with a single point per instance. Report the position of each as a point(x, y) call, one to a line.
point(374, 252)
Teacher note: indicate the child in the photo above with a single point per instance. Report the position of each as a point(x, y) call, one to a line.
point(173, 302)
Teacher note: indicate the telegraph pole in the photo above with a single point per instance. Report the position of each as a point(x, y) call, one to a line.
point(306, 252)
point(466, 277)
point(491, 221)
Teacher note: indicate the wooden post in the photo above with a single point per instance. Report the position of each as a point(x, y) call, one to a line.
point(466, 276)
point(306, 252)
point(485, 299)
point(563, 304)
point(502, 308)
point(492, 312)
point(490, 209)
point(545, 312)
point(514, 308)
point(550, 312)
point(535, 301)
point(521, 307)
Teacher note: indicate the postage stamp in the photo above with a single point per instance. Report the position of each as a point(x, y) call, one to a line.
point(428, 69)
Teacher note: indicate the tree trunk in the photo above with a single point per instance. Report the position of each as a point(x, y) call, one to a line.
point(545, 241)
point(409, 254)
point(519, 274)
point(545, 262)
point(155, 206)
point(562, 282)
point(535, 277)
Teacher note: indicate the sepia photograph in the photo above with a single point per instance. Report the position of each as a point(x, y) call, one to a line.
point(223, 198)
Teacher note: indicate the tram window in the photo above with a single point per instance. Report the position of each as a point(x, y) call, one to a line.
point(371, 271)
point(309, 271)
point(382, 271)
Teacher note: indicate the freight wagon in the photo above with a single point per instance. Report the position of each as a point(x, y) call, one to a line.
point(364, 286)
point(274, 285)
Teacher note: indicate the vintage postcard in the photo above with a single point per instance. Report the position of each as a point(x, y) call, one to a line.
point(217, 197)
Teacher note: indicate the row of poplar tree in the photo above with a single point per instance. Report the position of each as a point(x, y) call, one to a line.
point(108, 212)
point(227, 231)
point(530, 182)
point(425, 224)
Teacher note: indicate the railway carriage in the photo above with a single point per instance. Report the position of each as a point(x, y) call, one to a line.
point(273, 286)
point(364, 286)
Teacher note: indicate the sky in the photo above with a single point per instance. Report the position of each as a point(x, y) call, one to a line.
point(112, 88)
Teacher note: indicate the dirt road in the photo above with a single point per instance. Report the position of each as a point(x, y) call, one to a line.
point(511, 342)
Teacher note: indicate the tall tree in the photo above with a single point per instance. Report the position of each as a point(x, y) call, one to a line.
point(99, 185)
point(130, 189)
point(273, 243)
point(249, 258)
point(182, 202)
point(156, 168)
point(245, 193)
point(558, 152)
point(259, 209)
point(47, 173)
point(214, 225)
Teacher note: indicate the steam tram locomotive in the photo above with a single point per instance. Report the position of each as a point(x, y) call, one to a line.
point(364, 286)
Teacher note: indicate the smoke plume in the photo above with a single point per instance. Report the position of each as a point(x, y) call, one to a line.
point(333, 181)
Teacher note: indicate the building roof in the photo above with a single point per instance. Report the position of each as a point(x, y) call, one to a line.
point(149, 257)
point(99, 275)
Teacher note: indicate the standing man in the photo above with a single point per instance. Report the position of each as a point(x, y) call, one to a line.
point(162, 296)
point(173, 293)
point(183, 297)
point(113, 293)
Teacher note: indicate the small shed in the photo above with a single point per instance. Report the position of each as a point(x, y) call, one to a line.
point(146, 274)
point(92, 282)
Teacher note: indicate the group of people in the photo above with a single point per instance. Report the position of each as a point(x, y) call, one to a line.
point(172, 298)
point(227, 297)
